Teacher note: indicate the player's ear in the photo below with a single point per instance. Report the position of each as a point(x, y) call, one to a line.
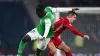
point(70, 15)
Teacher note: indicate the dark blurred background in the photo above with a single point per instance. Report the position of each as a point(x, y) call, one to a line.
point(17, 17)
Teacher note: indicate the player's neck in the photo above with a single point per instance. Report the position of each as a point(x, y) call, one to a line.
point(70, 19)
point(42, 15)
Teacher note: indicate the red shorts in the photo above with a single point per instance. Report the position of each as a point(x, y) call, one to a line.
point(56, 40)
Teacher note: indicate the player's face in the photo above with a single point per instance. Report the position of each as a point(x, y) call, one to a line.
point(73, 18)
point(41, 13)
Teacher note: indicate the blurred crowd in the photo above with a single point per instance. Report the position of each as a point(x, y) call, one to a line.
point(71, 3)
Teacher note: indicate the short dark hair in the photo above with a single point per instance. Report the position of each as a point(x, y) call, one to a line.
point(72, 12)
point(40, 8)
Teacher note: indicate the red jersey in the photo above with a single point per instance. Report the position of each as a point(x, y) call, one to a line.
point(61, 24)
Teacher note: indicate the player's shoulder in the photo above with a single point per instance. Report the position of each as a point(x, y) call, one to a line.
point(65, 20)
point(47, 19)
point(48, 9)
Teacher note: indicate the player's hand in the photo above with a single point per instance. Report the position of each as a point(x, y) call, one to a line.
point(74, 9)
point(42, 38)
point(86, 36)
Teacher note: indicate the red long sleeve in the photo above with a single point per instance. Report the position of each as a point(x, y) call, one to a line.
point(71, 28)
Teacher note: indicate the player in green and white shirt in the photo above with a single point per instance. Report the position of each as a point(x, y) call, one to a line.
point(43, 32)
point(46, 24)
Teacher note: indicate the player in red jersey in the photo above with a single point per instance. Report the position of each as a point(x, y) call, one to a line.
point(59, 26)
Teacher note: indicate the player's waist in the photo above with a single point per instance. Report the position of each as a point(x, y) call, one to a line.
point(41, 32)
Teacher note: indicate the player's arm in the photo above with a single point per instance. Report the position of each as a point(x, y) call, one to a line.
point(47, 27)
point(74, 30)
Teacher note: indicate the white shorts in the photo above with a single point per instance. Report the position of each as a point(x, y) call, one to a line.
point(36, 36)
